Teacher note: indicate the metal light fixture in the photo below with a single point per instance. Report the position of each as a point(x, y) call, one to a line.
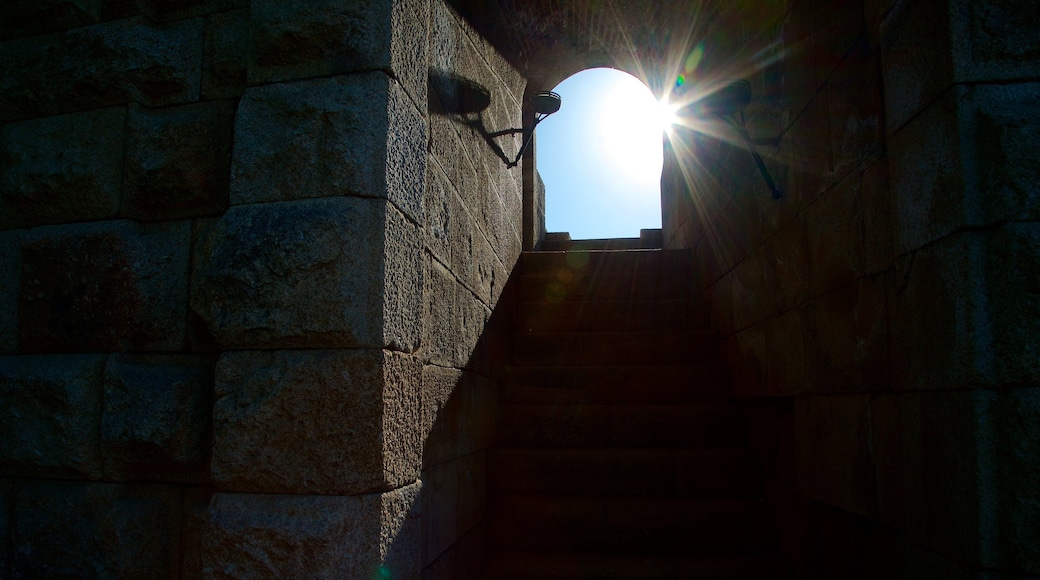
point(545, 103)
point(727, 103)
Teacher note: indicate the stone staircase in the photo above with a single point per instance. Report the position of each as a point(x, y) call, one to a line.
point(621, 455)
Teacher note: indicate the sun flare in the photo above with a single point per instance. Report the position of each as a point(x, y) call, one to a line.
point(632, 122)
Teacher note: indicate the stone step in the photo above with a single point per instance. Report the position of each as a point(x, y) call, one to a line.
point(503, 565)
point(608, 315)
point(600, 261)
point(570, 286)
point(615, 348)
point(622, 426)
point(627, 525)
point(618, 384)
point(561, 242)
point(703, 473)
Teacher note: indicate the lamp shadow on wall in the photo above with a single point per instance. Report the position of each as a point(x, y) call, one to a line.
point(464, 101)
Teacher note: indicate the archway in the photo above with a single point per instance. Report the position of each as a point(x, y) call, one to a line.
point(600, 157)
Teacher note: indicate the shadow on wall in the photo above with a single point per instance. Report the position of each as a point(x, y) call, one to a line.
point(464, 101)
point(460, 396)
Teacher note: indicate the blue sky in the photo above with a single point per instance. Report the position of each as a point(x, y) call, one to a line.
point(600, 157)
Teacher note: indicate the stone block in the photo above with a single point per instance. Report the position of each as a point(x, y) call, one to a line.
point(10, 279)
point(226, 55)
point(178, 161)
point(440, 509)
point(6, 486)
point(256, 535)
point(1013, 300)
point(833, 456)
point(61, 169)
point(350, 135)
point(439, 315)
point(442, 394)
point(132, 60)
point(939, 332)
point(855, 106)
point(752, 302)
point(309, 273)
point(747, 351)
point(789, 362)
point(403, 282)
point(51, 409)
point(471, 322)
point(472, 502)
point(438, 203)
point(850, 342)
point(66, 529)
point(19, 18)
point(879, 218)
point(926, 164)
point(112, 63)
point(917, 63)
point(958, 472)
point(319, 421)
point(790, 255)
point(105, 286)
point(157, 417)
point(171, 10)
point(1000, 134)
point(834, 230)
point(323, 38)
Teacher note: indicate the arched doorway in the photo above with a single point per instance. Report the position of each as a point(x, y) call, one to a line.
point(600, 156)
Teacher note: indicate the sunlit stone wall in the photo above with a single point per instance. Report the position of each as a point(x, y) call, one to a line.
point(882, 317)
point(247, 271)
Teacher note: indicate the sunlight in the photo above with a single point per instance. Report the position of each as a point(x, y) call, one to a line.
point(600, 157)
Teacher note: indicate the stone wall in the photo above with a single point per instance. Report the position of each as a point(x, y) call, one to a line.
point(882, 316)
point(247, 268)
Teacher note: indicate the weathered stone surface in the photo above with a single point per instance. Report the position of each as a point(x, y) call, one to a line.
point(917, 63)
point(834, 230)
point(1001, 128)
point(850, 342)
point(349, 135)
point(61, 169)
point(939, 334)
point(437, 207)
point(833, 452)
point(323, 38)
point(790, 256)
point(170, 10)
point(460, 414)
point(403, 282)
point(310, 273)
point(157, 417)
point(107, 286)
point(1013, 298)
point(226, 55)
point(65, 529)
point(926, 164)
point(10, 279)
point(996, 40)
point(249, 536)
point(440, 332)
point(440, 498)
point(6, 486)
point(958, 472)
point(178, 161)
point(790, 360)
point(132, 60)
point(751, 300)
point(50, 408)
point(331, 422)
point(20, 18)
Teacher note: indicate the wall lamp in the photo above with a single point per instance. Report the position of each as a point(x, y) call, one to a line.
point(728, 104)
point(545, 103)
